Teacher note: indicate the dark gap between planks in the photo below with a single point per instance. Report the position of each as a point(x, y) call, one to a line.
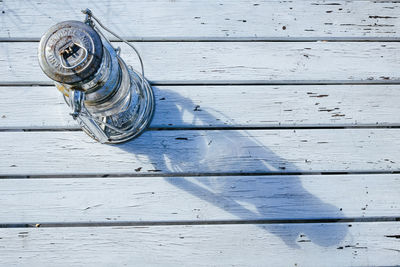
point(191, 222)
point(223, 128)
point(230, 82)
point(228, 175)
point(230, 39)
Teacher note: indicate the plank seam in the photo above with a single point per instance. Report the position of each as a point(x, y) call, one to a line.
point(195, 39)
point(191, 222)
point(224, 128)
point(280, 127)
point(188, 174)
point(229, 83)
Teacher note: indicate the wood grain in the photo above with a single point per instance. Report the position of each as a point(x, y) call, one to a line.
point(221, 42)
point(234, 151)
point(198, 20)
point(234, 61)
point(362, 244)
point(223, 106)
point(198, 198)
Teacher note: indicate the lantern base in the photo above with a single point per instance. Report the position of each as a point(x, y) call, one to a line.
point(131, 122)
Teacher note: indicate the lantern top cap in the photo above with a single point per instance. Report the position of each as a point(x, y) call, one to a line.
point(70, 52)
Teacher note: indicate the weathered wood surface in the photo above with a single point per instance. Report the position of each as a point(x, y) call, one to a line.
point(222, 106)
point(77, 182)
point(196, 151)
point(234, 61)
point(199, 20)
point(198, 198)
point(338, 244)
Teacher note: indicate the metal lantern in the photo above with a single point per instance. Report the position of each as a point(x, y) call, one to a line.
point(111, 102)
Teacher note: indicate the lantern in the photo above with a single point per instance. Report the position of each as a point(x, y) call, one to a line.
point(111, 101)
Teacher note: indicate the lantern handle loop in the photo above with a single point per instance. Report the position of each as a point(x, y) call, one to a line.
point(76, 65)
point(89, 16)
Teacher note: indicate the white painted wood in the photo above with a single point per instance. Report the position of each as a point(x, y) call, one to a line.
point(223, 106)
point(164, 152)
point(29, 153)
point(185, 19)
point(198, 198)
point(234, 61)
point(34, 107)
point(362, 244)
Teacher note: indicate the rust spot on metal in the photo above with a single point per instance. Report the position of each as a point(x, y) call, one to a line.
point(63, 90)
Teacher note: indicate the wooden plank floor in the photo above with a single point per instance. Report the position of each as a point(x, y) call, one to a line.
point(262, 19)
point(228, 62)
point(275, 139)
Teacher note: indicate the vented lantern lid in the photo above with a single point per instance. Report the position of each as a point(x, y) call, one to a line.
point(70, 52)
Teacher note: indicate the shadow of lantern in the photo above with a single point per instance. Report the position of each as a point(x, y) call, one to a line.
point(254, 198)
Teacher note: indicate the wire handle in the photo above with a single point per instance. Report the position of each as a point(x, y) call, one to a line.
point(88, 20)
